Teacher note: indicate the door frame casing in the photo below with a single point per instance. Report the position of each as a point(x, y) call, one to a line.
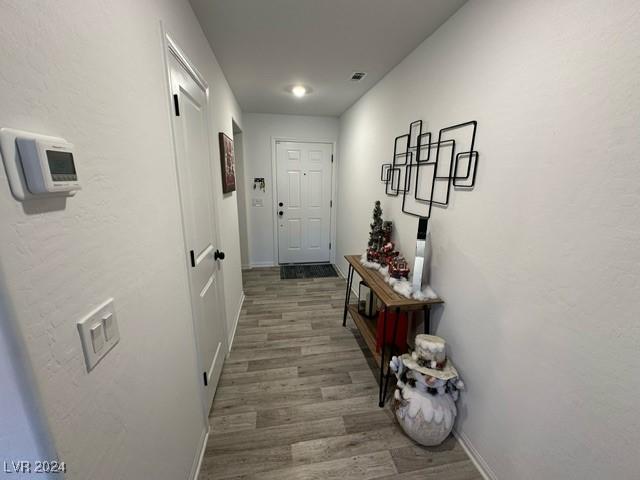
point(171, 48)
point(334, 191)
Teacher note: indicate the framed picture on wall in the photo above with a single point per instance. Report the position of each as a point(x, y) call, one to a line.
point(227, 163)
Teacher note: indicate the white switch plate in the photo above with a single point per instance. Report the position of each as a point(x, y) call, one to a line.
point(104, 325)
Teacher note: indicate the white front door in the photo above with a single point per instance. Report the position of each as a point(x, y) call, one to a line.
point(189, 100)
point(303, 204)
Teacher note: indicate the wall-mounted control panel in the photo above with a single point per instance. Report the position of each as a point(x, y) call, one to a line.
point(38, 165)
point(49, 165)
point(98, 333)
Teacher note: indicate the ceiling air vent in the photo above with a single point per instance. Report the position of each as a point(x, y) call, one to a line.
point(357, 76)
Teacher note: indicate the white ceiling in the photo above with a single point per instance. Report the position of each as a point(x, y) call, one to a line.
point(264, 46)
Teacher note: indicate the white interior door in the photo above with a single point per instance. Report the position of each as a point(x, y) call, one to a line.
point(303, 201)
point(195, 178)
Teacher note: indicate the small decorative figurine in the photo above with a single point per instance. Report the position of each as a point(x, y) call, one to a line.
point(373, 255)
point(427, 389)
point(387, 248)
point(398, 267)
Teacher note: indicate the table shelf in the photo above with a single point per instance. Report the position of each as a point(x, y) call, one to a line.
point(367, 328)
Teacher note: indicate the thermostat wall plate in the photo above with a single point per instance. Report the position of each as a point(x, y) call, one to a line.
point(38, 165)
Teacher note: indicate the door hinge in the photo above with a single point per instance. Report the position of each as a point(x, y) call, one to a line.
point(193, 258)
point(204, 375)
point(330, 203)
point(176, 105)
point(329, 245)
point(332, 158)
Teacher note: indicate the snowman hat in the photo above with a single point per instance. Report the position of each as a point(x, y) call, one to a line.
point(430, 358)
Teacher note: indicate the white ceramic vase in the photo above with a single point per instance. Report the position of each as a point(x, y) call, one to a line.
point(427, 419)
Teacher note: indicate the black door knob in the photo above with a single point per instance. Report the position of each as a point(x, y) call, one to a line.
point(218, 255)
point(281, 204)
point(280, 213)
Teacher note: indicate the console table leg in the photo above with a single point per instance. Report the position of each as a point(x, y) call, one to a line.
point(382, 349)
point(347, 295)
point(391, 351)
point(427, 319)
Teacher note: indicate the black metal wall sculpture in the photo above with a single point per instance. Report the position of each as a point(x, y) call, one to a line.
point(423, 171)
point(425, 178)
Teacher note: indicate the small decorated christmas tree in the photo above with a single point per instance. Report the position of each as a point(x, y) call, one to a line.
point(376, 236)
point(381, 249)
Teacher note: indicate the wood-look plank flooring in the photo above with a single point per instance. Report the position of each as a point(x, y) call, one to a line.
point(297, 398)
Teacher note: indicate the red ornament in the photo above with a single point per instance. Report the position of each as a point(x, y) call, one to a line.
point(387, 247)
point(373, 255)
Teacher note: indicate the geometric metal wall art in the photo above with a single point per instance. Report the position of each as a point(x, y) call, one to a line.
point(424, 170)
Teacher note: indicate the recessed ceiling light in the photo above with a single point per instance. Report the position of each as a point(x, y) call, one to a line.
point(299, 90)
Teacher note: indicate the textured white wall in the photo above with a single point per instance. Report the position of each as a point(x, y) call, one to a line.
point(258, 131)
point(93, 73)
point(540, 264)
point(241, 191)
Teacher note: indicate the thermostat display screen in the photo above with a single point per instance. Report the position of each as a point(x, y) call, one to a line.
point(61, 163)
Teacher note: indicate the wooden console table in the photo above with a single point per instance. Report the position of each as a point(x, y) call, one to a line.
point(389, 299)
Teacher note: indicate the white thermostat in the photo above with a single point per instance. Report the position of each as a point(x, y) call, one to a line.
point(38, 164)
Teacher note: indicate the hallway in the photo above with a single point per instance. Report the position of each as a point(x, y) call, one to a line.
point(297, 398)
point(458, 161)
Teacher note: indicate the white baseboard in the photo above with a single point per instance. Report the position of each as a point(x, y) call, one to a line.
point(197, 462)
point(480, 463)
point(262, 264)
point(235, 323)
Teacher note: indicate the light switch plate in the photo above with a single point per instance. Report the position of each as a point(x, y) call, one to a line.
point(100, 327)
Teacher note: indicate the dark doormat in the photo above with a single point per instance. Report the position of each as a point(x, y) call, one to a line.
point(288, 272)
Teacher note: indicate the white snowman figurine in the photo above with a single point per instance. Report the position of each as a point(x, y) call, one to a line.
point(428, 384)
